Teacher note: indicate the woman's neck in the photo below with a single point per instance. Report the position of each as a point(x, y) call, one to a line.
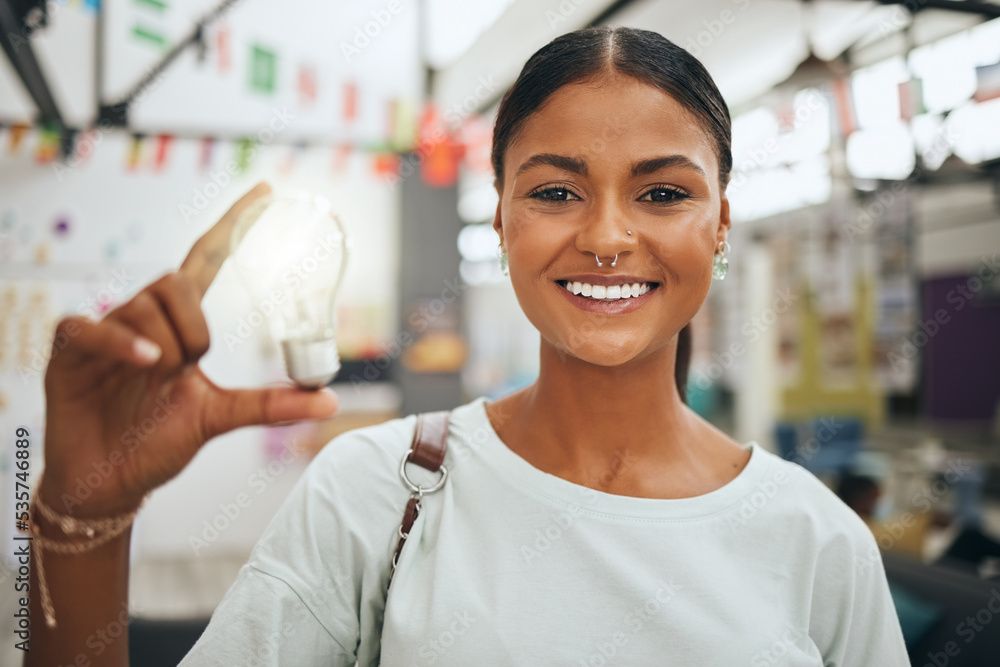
point(581, 421)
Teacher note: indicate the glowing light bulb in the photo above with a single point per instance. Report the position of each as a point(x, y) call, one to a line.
point(290, 251)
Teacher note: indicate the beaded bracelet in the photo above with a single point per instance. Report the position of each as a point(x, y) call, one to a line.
point(97, 531)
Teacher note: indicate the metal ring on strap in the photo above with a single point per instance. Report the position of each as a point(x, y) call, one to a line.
point(415, 488)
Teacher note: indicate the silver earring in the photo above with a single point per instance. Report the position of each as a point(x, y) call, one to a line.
point(720, 265)
point(629, 232)
point(600, 263)
point(502, 254)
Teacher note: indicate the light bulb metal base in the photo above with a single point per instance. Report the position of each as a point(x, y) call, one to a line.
point(311, 364)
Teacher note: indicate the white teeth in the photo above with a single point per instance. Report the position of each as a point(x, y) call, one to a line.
point(609, 292)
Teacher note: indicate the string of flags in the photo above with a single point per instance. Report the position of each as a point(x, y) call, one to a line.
point(414, 141)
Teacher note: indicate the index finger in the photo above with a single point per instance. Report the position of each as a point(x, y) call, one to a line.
point(208, 253)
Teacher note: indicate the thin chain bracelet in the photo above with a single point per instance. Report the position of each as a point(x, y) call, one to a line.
point(108, 527)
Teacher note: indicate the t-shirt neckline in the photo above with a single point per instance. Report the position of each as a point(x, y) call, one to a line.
point(516, 470)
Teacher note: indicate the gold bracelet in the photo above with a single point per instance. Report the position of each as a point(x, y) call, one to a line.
point(97, 531)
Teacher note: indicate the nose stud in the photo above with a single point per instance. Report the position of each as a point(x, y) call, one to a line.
point(600, 263)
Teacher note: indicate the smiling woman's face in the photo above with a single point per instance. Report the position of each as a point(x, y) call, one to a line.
point(596, 160)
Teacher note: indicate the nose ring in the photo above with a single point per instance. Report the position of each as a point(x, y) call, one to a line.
point(600, 263)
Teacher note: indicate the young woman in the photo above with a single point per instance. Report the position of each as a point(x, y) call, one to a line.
point(589, 519)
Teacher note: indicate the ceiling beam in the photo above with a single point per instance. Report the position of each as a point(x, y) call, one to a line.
point(116, 113)
point(16, 41)
point(987, 9)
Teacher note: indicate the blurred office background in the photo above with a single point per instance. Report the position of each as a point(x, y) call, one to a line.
point(857, 332)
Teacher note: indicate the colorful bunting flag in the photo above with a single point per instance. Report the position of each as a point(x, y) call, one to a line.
point(401, 124)
point(223, 58)
point(163, 143)
point(47, 148)
point(307, 85)
point(341, 157)
point(17, 133)
point(291, 157)
point(246, 151)
point(134, 156)
point(205, 159)
point(86, 143)
point(350, 109)
point(441, 152)
point(263, 69)
point(386, 164)
point(149, 36)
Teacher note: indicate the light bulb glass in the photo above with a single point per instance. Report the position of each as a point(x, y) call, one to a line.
point(290, 251)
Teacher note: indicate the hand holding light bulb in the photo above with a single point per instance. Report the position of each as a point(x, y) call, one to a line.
point(111, 377)
point(126, 395)
point(290, 251)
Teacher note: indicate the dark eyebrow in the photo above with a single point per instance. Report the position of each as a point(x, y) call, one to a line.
point(646, 167)
point(571, 164)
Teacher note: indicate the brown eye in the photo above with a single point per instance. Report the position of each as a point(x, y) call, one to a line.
point(662, 195)
point(554, 194)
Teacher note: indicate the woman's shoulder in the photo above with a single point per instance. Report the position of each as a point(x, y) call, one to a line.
point(367, 446)
point(375, 452)
point(807, 503)
point(349, 501)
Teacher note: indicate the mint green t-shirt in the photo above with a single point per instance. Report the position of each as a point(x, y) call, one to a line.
point(509, 565)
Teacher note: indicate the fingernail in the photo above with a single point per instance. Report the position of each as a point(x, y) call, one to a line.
point(146, 350)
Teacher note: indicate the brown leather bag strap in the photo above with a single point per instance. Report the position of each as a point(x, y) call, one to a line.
point(430, 443)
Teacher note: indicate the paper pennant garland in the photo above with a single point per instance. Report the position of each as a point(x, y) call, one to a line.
point(135, 149)
point(48, 145)
point(246, 150)
point(85, 145)
point(350, 109)
point(341, 156)
point(442, 153)
point(163, 143)
point(263, 69)
point(386, 164)
point(401, 130)
point(205, 158)
point(307, 85)
point(291, 158)
point(17, 133)
point(149, 36)
point(223, 58)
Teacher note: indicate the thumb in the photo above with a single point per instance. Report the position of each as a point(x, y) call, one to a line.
point(235, 408)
